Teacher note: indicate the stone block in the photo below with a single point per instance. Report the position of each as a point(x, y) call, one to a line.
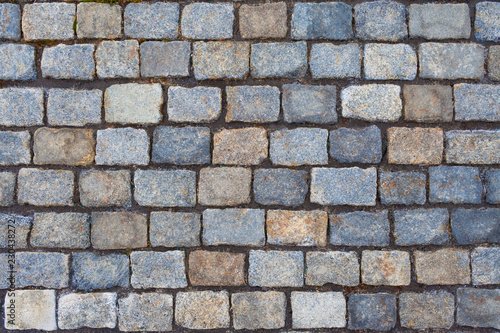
point(122, 146)
point(428, 103)
point(427, 310)
point(41, 269)
point(241, 146)
point(276, 269)
point(477, 102)
point(68, 62)
point(458, 184)
point(220, 60)
point(389, 62)
point(311, 104)
point(253, 104)
point(118, 230)
point(103, 188)
point(117, 59)
point(485, 265)
point(372, 311)
point(439, 21)
point(174, 229)
point(146, 312)
point(336, 267)
point(207, 20)
point(7, 188)
point(407, 188)
point(224, 186)
point(92, 310)
point(17, 61)
point(23, 228)
point(318, 309)
point(331, 61)
point(69, 107)
point(159, 20)
point(40, 187)
point(473, 147)
point(372, 102)
point(10, 21)
point(165, 59)
point(30, 309)
point(216, 268)
point(494, 62)
point(278, 60)
point(181, 145)
point(15, 148)
point(157, 269)
point(44, 21)
point(92, 271)
point(284, 187)
point(387, 268)
point(202, 309)
point(194, 105)
point(258, 310)
point(471, 226)
point(415, 145)
point(21, 106)
point(356, 145)
point(99, 20)
point(360, 229)
point(442, 267)
point(492, 180)
point(486, 25)
point(302, 228)
point(67, 230)
point(478, 307)
point(300, 146)
point(421, 227)
point(267, 20)
point(381, 21)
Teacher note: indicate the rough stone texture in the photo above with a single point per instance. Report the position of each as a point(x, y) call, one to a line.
point(426, 310)
point(15, 148)
point(494, 62)
point(486, 23)
point(197, 105)
point(473, 147)
point(202, 309)
point(220, 60)
point(276, 269)
point(173, 229)
point(40, 187)
point(165, 59)
point(267, 20)
point(485, 263)
point(407, 188)
point(415, 145)
point(389, 62)
point(63, 146)
point(42, 21)
point(389, 268)
point(93, 310)
point(158, 316)
point(157, 269)
point(224, 186)
point(122, 146)
point(234, 226)
point(330, 61)
point(372, 311)
point(258, 310)
point(216, 268)
point(41, 269)
point(7, 188)
point(372, 102)
point(472, 226)
point(92, 271)
point(254, 104)
point(492, 180)
point(361, 145)
point(69, 62)
point(344, 186)
point(455, 184)
point(311, 104)
point(244, 146)
point(318, 309)
point(17, 62)
point(99, 20)
point(21, 106)
point(23, 228)
point(278, 60)
point(302, 228)
point(360, 229)
point(117, 59)
point(68, 230)
point(336, 267)
point(428, 103)
point(207, 21)
point(381, 21)
point(445, 266)
point(439, 21)
point(329, 20)
point(103, 188)
point(10, 21)
point(477, 102)
point(69, 107)
point(300, 146)
point(30, 309)
point(181, 145)
point(284, 187)
point(478, 307)
point(118, 230)
point(158, 20)
point(421, 227)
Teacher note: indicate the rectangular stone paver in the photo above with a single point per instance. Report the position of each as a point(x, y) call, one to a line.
point(118, 230)
point(219, 60)
point(158, 269)
point(40, 187)
point(303, 228)
point(64, 230)
point(446, 266)
point(69, 62)
point(278, 60)
point(202, 309)
point(207, 268)
point(337, 267)
point(318, 309)
point(252, 104)
point(426, 310)
point(42, 21)
point(93, 310)
point(93, 271)
point(158, 317)
point(31, 309)
point(165, 59)
point(151, 20)
point(173, 229)
point(267, 20)
point(21, 106)
point(259, 310)
point(276, 269)
point(472, 147)
point(17, 61)
point(70, 107)
point(372, 311)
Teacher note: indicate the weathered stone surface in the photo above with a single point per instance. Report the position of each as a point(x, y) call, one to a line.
point(202, 309)
point(478, 307)
point(428, 103)
point(360, 229)
point(372, 102)
point(133, 103)
point(118, 230)
point(41, 269)
point(7, 188)
point(40, 187)
point(196, 105)
point(381, 20)
point(276, 269)
point(99, 20)
point(283, 187)
point(181, 145)
point(407, 188)
point(242, 146)
point(69, 107)
point(159, 20)
point(69, 230)
point(439, 21)
point(485, 264)
point(234, 226)
point(344, 186)
point(23, 227)
point(302, 228)
point(216, 268)
point(207, 21)
point(173, 229)
point(361, 145)
point(15, 148)
point(329, 20)
point(312, 104)
point(486, 23)
point(146, 312)
point(103, 188)
point(30, 309)
point(267, 20)
point(258, 310)
point(390, 268)
point(10, 21)
point(330, 61)
point(472, 226)
point(492, 180)
point(445, 266)
point(224, 186)
point(93, 310)
point(254, 104)
point(372, 311)
point(318, 310)
point(494, 62)
point(473, 147)
point(220, 60)
point(122, 146)
point(117, 59)
point(390, 62)
point(458, 184)
point(426, 310)
point(415, 145)
point(21, 106)
point(63, 146)
point(278, 60)
point(92, 271)
point(157, 269)
point(421, 227)
point(479, 102)
point(165, 59)
point(69, 62)
point(17, 61)
point(300, 146)
point(337, 267)
point(48, 21)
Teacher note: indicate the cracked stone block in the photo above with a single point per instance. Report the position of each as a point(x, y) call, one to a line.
point(158, 269)
point(478, 307)
point(224, 186)
point(389, 62)
point(381, 21)
point(216, 268)
point(439, 21)
point(442, 267)
point(278, 60)
point(336, 267)
point(386, 268)
point(42, 269)
point(99, 20)
point(165, 59)
point(30, 310)
point(44, 21)
point(175, 229)
point(486, 25)
point(457, 184)
point(428, 103)
point(407, 188)
point(17, 61)
point(40, 187)
point(485, 265)
point(415, 145)
point(300, 146)
point(421, 227)
point(284, 187)
point(234, 226)
point(69, 107)
point(207, 21)
point(318, 309)
point(494, 62)
point(23, 228)
point(360, 229)
point(331, 61)
point(103, 188)
point(356, 145)
point(473, 147)
point(258, 310)
point(276, 268)
point(492, 179)
point(372, 102)
point(241, 146)
point(196, 105)
point(158, 317)
point(471, 226)
point(302, 228)
point(93, 271)
point(427, 310)
point(312, 104)
point(157, 20)
point(181, 145)
point(68, 62)
point(15, 148)
point(7, 188)
point(202, 309)
point(10, 21)
point(93, 310)
point(267, 20)
point(122, 146)
point(117, 59)
point(66, 230)
point(372, 311)
point(252, 104)
point(479, 102)
point(119, 230)
point(220, 60)
point(21, 106)
point(63, 146)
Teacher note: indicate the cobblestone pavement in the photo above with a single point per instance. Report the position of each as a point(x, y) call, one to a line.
point(250, 165)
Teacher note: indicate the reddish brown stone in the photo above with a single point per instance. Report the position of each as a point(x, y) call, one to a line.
point(415, 145)
point(446, 266)
point(244, 146)
point(266, 20)
point(297, 227)
point(216, 268)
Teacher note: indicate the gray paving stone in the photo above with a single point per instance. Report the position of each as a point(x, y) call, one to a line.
point(336, 267)
point(43, 21)
point(119, 230)
point(158, 269)
point(331, 61)
point(487, 27)
point(122, 146)
point(174, 229)
point(389, 62)
point(234, 226)
point(165, 188)
point(372, 102)
point(40, 187)
point(428, 103)
point(69, 107)
point(103, 188)
point(284, 187)
point(492, 180)
point(10, 21)
point(278, 60)
point(297, 227)
point(15, 148)
point(202, 309)
point(300, 146)
point(426, 310)
point(344, 186)
point(442, 267)
point(66, 230)
point(69, 62)
point(197, 105)
point(473, 147)
point(402, 187)
point(240, 146)
point(485, 264)
point(360, 229)
point(7, 188)
point(451, 61)
point(133, 315)
point(181, 145)
point(276, 269)
point(330, 20)
point(318, 309)
point(207, 21)
point(21, 106)
point(439, 21)
point(455, 184)
point(220, 60)
point(23, 228)
point(165, 59)
point(472, 226)
point(253, 104)
point(42, 269)
point(372, 311)
point(477, 102)
point(361, 145)
point(421, 227)
point(93, 271)
point(267, 20)
point(157, 20)
point(93, 310)
point(494, 62)
point(117, 59)
point(224, 186)
point(99, 20)
point(30, 309)
point(258, 310)
point(388, 268)
point(478, 307)
point(307, 103)
point(17, 61)
point(381, 20)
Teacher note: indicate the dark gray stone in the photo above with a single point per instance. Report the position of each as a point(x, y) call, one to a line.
point(337, 267)
point(21, 106)
point(117, 59)
point(478, 307)
point(68, 107)
point(158, 269)
point(133, 315)
point(479, 102)
point(311, 104)
point(207, 21)
point(122, 146)
point(485, 265)
point(440, 21)
point(360, 229)
point(426, 310)
point(10, 21)
point(15, 148)
point(92, 310)
point(196, 105)
point(372, 311)
point(421, 227)
point(253, 104)
point(69, 62)
point(473, 147)
point(471, 226)
point(7, 188)
point(40, 187)
point(361, 145)
point(492, 179)
point(331, 61)
point(283, 187)
point(299, 146)
point(401, 187)
point(17, 61)
point(48, 21)
point(92, 271)
point(278, 60)
point(23, 227)
point(487, 27)
point(258, 310)
point(276, 269)
point(181, 145)
point(67, 230)
point(165, 59)
point(318, 309)
point(174, 229)
point(157, 20)
point(41, 269)
point(381, 21)
point(458, 184)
